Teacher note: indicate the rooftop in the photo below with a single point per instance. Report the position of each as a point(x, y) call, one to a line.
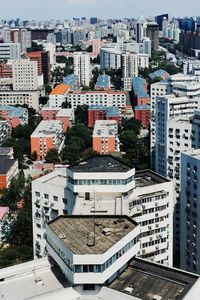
point(193, 153)
point(141, 107)
point(103, 81)
point(48, 128)
point(147, 178)
point(146, 280)
point(77, 234)
point(139, 87)
point(64, 112)
point(101, 163)
point(58, 177)
point(70, 79)
point(5, 164)
point(14, 111)
point(159, 73)
point(6, 151)
point(105, 128)
point(60, 89)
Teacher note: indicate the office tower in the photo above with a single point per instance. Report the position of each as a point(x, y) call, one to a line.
point(141, 29)
point(153, 34)
point(82, 68)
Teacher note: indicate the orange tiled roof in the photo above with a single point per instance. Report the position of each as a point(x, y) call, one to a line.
point(60, 89)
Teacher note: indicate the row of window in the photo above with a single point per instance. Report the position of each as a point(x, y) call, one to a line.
point(100, 181)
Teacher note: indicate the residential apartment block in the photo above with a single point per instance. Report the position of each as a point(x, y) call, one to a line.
point(105, 98)
point(82, 68)
point(105, 137)
point(48, 135)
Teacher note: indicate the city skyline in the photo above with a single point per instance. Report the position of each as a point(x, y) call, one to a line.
point(90, 8)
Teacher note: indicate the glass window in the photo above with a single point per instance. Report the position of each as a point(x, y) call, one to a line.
point(78, 269)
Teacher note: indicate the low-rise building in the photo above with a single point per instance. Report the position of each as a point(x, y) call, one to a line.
point(102, 113)
point(10, 97)
point(142, 114)
point(105, 137)
point(48, 135)
point(140, 94)
point(58, 95)
point(103, 83)
point(105, 98)
point(8, 170)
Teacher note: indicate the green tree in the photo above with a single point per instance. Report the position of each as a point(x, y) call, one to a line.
point(73, 150)
point(52, 156)
point(48, 89)
point(34, 155)
point(79, 131)
point(66, 104)
point(81, 114)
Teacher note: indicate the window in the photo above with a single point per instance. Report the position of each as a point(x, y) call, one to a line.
point(55, 198)
point(37, 194)
point(46, 196)
point(65, 212)
point(65, 200)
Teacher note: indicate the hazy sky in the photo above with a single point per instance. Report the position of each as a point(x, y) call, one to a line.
point(45, 9)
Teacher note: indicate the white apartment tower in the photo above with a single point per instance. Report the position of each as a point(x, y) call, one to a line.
point(82, 68)
point(129, 69)
point(25, 75)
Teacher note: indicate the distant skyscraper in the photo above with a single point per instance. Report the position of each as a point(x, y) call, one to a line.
point(159, 20)
point(93, 21)
point(141, 27)
point(153, 34)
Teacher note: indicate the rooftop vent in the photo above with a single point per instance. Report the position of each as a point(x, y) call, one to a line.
point(106, 231)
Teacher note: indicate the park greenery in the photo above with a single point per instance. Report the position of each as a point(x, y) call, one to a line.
point(17, 243)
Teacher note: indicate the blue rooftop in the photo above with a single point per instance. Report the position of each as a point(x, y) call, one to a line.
point(139, 89)
point(14, 111)
point(159, 73)
point(142, 107)
point(70, 79)
point(112, 111)
point(103, 81)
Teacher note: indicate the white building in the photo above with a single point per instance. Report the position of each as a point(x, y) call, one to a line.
point(82, 68)
point(30, 98)
point(105, 98)
point(4, 211)
point(58, 95)
point(129, 69)
point(110, 57)
point(10, 51)
point(88, 250)
point(190, 226)
point(25, 75)
point(104, 185)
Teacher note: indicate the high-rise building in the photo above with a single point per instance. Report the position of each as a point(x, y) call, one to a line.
point(82, 68)
point(104, 185)
point(153, 34)
point(25, 75)
point(189, 216)
point(159, 20)
point(141, 30)
point(9, 51)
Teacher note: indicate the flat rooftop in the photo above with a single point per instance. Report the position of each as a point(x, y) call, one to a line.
point(105, 128)
point(48, 128)
point(193, 153)
point(77, 232)
point(147, 178)
point(100, 163)
point(146, 281)
point(58, 177)
point(65, 112)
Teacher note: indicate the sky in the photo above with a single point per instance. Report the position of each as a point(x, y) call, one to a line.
point(66, 9)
